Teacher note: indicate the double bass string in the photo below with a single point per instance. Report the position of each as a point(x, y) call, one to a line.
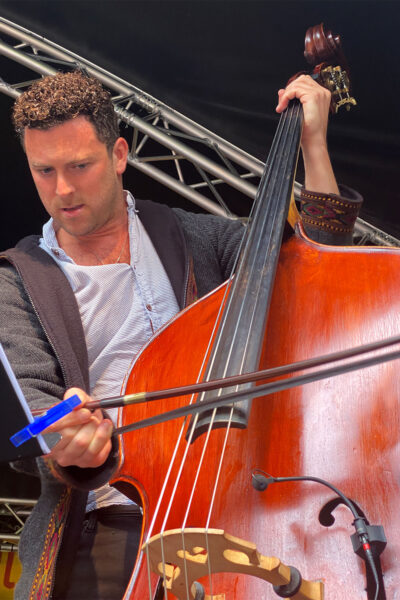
point(193, 491)
point(289, 121)
point(194, 486)
point(203, 453)
point(186, 451)
point(231, 351)
point(156, 511)
point(278, 156)
point(173, 495)
point(201, 370)
point(170, 503)
point(286, 137)
point(183, 460)
point(220, 317)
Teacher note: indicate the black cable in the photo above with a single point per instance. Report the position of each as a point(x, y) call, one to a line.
point(261, 480)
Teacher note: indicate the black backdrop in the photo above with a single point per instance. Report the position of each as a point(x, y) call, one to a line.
point(221, 62)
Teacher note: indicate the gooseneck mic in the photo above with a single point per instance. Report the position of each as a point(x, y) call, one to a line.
point(368, 541)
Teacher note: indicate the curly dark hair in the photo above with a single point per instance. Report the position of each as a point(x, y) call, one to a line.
point(55, 99)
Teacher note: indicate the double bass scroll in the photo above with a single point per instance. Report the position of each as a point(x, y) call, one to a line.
point(323, 51)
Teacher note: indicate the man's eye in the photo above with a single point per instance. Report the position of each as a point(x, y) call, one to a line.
point(81, 166)
point(45, 171)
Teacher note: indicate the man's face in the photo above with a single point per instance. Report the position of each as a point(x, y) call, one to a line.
point(77, 178)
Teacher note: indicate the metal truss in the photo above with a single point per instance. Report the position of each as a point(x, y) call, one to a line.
point(164, 144)
point(13, 514)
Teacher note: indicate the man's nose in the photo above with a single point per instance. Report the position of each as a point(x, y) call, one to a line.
point(63, 185)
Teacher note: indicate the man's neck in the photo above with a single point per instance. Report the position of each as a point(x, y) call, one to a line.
point(108, 246)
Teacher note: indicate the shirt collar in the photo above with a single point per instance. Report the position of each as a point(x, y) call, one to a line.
point(49, 232)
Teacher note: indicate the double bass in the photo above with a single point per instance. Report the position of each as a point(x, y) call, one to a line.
point(210, 530)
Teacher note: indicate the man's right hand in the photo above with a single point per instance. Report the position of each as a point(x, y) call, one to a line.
point(85, 435)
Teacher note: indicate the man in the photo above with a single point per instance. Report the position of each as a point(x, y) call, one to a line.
point(77, 304)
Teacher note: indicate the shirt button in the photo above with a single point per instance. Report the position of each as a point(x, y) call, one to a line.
point(149, 307)
point(56, 252)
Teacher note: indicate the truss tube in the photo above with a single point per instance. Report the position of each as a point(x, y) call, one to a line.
point(208, 165)
point(177, 186)
point(7, 89)
point(9, 537)
point(24, 59)
point(21, 501)
point(374, 235)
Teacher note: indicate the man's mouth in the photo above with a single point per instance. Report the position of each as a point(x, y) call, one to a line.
point(72, 210)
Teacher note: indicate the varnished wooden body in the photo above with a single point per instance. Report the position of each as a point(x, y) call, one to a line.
point(344, 429)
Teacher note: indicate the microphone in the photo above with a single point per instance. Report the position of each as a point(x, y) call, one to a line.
point(260, 482)
point(368, 542)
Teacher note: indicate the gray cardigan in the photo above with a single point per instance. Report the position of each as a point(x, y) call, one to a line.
point(42, 335)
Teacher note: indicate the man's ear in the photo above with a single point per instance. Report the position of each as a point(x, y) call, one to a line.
point(120, 155)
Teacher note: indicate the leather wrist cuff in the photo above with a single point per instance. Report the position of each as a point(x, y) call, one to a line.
point(330, 218)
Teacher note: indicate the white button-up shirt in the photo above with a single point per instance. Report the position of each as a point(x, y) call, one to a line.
point(121, 306)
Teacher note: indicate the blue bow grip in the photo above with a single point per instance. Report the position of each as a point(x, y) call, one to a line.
point(40, 423)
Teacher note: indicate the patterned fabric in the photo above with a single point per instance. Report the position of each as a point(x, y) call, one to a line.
point(330, 218)
point(43, 581)
point(329, 212)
